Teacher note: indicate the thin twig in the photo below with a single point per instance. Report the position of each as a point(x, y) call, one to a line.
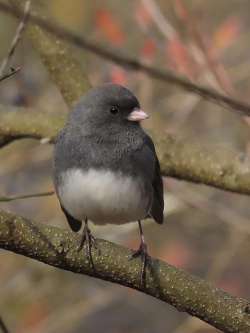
point(12, 72)
point(163, 25)
point(13, 46)
point(134, 64)
point(216, 68)
point(187, 103)
point(3, 327)
point(26, 196)
point(15, 40)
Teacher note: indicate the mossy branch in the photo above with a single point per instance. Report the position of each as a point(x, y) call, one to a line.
point(222, 168)
point(59, 248)
point(20, 122)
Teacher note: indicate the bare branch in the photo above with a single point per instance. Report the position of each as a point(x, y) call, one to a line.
point(15, 40)
point(134, 64)
point(25, 196)
point(12, 72)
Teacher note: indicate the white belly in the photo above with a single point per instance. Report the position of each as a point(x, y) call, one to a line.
point(102, 196)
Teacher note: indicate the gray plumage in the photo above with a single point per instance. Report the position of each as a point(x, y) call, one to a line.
point(94, 138)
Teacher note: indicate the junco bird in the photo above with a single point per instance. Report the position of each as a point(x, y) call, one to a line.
point(105, 166)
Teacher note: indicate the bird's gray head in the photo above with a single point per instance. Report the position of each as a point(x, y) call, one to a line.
point(110, 106)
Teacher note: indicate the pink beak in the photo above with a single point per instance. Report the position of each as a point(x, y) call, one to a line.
point(137, 115)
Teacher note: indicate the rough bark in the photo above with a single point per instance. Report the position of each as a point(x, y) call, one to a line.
point(60, 248)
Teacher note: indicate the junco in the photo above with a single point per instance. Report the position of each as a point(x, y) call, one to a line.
point(105, 166)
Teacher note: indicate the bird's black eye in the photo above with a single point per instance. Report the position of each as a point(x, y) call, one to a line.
point(114, 109)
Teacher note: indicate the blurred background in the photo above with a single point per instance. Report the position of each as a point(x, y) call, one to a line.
point(206, 231)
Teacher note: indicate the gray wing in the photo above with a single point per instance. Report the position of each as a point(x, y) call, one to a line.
point(61, 162)
point(153, 173)
point(158, 201)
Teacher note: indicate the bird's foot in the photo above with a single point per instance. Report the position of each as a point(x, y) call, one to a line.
point(145, 258)
point(90, 241)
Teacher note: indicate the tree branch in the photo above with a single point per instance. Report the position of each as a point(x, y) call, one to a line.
point(219, 167)
point(25, 196)
point(59, 248)
point(130, 63)
point(20, 122)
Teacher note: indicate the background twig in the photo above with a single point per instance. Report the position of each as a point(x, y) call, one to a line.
point(133, 64)
point(3, 327)
point(11, 72)
point(25, 196)
point(16, 39)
